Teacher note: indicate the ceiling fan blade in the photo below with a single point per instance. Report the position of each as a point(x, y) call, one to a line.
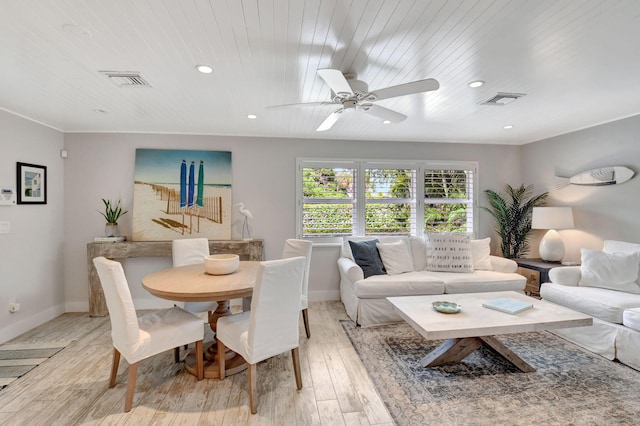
point(419, 86)
point(330, 120)
point(300, 104)
point(383, 113)
point(336, 81)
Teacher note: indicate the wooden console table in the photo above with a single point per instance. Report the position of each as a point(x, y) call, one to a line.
point(247, 250)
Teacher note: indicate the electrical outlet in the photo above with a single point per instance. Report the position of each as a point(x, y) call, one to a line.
point(13, 306)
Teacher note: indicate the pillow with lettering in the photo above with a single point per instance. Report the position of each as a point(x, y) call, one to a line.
point(449, 252)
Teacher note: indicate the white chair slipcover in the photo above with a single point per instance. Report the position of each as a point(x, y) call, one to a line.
point(294, 248)
point(271, 326)
point(139, 338)
point(190, 251)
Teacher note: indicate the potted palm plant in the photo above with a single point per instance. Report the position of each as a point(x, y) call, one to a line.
point(512, 213)
point(112, 212)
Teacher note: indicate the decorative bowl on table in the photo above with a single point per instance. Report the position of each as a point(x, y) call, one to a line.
point(221, 264)
point(446, 307)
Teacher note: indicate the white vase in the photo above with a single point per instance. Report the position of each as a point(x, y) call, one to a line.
point(111, 229)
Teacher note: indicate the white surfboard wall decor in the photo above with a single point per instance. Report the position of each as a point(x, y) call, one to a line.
point(602, 176)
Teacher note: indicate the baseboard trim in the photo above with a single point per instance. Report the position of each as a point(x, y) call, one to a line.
point(22, 326)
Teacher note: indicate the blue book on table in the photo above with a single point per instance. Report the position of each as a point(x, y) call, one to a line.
point(510, 306)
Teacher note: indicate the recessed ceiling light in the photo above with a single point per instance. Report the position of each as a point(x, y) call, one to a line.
point(508, 126)
point(252, 116)
point(476, 83)
point(386, 122)
point(204, 69)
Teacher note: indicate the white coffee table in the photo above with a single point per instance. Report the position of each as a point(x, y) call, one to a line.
point(476, 325)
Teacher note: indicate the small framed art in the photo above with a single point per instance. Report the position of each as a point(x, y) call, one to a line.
point(31, 182)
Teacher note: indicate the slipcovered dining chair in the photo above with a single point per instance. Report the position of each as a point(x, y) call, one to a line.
point(294, 248)
point(271, 326)
point(140, 338)
point(189, 251)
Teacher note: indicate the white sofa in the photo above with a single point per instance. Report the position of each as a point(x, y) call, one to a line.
point(365, 298)
point(616, 313)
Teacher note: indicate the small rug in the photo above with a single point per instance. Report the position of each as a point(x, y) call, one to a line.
point(18, 359)
point(571, 386)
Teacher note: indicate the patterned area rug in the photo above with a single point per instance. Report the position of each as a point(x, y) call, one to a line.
point(18, 359)
point(571, 386)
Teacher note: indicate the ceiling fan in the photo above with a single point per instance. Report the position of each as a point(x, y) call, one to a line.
point(350, 95)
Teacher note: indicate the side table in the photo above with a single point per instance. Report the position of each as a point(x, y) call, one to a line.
point(537, 272)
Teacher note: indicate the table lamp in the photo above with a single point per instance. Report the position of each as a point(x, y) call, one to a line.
point(552, 218)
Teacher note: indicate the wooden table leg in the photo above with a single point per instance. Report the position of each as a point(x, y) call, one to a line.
point(455, 350)
point(234, 363)
point(451, 351)
point(507, 353)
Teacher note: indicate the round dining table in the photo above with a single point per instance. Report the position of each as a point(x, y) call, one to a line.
point(192, 283)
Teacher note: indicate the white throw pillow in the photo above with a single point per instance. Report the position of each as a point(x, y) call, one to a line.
point(449, 252)
point(614, 271)
point(612, 246)
point(396, 257)
point(418, 253)
point(480, 252)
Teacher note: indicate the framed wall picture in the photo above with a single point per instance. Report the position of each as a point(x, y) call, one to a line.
point(181, 194)
point(31, 182)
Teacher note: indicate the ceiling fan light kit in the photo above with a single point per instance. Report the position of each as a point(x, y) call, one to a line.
point(350, 95)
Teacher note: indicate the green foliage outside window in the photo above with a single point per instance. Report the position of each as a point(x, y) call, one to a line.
point(329, 206)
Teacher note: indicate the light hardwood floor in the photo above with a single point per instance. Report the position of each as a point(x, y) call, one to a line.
point(71, 387)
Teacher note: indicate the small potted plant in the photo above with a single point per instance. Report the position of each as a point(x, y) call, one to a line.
point(112, 212)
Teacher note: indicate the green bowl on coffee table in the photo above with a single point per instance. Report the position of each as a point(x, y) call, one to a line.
point(446, 307)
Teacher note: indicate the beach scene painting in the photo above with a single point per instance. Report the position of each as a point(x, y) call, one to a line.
point(181, 194)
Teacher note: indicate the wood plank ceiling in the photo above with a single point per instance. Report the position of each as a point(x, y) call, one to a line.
point(576, 61)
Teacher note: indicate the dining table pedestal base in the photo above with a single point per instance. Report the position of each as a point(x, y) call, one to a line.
point(233, 364)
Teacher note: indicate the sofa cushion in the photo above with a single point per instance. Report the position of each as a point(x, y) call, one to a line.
point(480, 254)
point(346, 248)
point(615, 271)
point(449, 252)
point(607, 305)
point(408, 284)
point(395, 257)
point(611, 246)
point(631, 318)
point(366, 255)
point(481, 281)
point(419, 253)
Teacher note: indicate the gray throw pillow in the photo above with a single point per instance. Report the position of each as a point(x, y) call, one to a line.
point(367, 256)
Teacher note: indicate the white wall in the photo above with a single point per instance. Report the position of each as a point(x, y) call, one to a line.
point(600, 212)
point(102, 166)
point(31, 261)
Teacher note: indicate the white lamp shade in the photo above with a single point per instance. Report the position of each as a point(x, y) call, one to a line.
point(552, 218)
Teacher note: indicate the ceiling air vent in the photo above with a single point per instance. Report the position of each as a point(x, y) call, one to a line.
point(502, 98)
point(126, 78)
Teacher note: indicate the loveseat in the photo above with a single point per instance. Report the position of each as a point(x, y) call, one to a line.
point(407, 274)
point(606, 287)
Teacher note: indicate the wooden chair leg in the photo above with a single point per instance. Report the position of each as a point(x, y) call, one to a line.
point(133, 373)
point(221, 360)
point(253, 397)
point(114, 367)
point(199, 360)
point(305, 319)
point(176, 354)
point(295, 356)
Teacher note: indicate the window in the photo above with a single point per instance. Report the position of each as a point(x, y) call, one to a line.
point(337, 198)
